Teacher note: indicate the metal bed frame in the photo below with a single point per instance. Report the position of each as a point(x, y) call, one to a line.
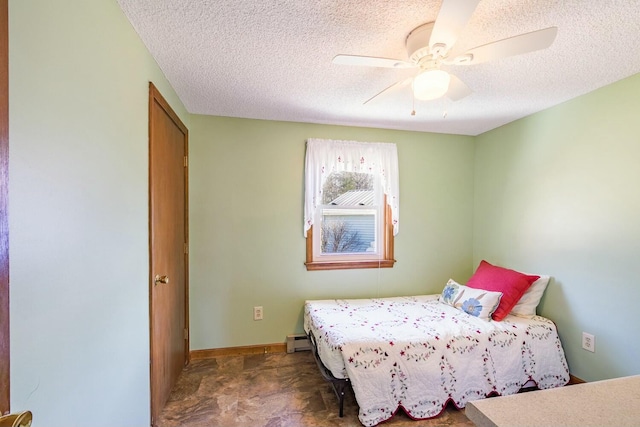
point(339, 385)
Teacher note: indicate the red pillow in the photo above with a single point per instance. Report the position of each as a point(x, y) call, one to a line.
point(511, 283)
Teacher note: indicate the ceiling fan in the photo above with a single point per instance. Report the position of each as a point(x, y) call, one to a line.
point(429, 46)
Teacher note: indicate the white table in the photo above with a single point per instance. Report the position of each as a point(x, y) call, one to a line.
point(613, 402)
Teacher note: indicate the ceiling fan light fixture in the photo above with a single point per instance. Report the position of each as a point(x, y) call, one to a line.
point(431, 84)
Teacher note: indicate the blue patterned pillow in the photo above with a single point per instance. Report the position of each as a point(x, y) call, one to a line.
point(475, 302)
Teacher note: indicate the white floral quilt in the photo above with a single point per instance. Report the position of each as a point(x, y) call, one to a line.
point(417, 353)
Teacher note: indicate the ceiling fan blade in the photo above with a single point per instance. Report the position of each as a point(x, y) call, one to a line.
point(457, 89)
point(371, 61)
point(511, 46)
point(452, 18)
point(392, 88)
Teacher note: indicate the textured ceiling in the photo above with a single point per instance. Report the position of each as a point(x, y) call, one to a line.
point(273, 59)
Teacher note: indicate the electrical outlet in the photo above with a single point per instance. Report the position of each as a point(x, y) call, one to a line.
point(257, 313)
point(588, 342)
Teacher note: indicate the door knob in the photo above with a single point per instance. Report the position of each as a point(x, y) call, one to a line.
point(161, 279)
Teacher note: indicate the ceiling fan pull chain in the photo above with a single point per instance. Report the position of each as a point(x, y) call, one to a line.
point(413, 104)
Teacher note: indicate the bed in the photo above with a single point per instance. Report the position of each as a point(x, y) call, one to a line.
point(418, 353)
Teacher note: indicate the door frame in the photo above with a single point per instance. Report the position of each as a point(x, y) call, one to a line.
point(156, 98)
point(5, 341)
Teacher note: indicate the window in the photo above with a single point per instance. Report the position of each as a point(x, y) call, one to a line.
point(349, 217)
point(350, 196)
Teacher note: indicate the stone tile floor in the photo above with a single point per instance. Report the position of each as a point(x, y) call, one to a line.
point(269, 390)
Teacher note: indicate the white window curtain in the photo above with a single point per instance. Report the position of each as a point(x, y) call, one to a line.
point(325, 156)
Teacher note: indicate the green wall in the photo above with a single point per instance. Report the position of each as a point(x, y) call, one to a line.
point(247, 246)
point(79, 263)
point(558, 193)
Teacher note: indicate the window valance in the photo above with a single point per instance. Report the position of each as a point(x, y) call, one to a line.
point(325, 156)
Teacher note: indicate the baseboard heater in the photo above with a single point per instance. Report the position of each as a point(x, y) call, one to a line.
point(297, 343)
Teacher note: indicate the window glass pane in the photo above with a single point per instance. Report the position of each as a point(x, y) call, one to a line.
point(348, 220)
point(342, 187)
point(348, 231)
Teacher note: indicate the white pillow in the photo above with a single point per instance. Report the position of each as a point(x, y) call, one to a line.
point(526, 306)
point(474, 302)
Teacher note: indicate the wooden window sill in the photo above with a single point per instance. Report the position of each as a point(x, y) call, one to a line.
point(345, 265)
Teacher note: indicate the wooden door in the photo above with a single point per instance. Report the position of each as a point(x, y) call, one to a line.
point(168, 233)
